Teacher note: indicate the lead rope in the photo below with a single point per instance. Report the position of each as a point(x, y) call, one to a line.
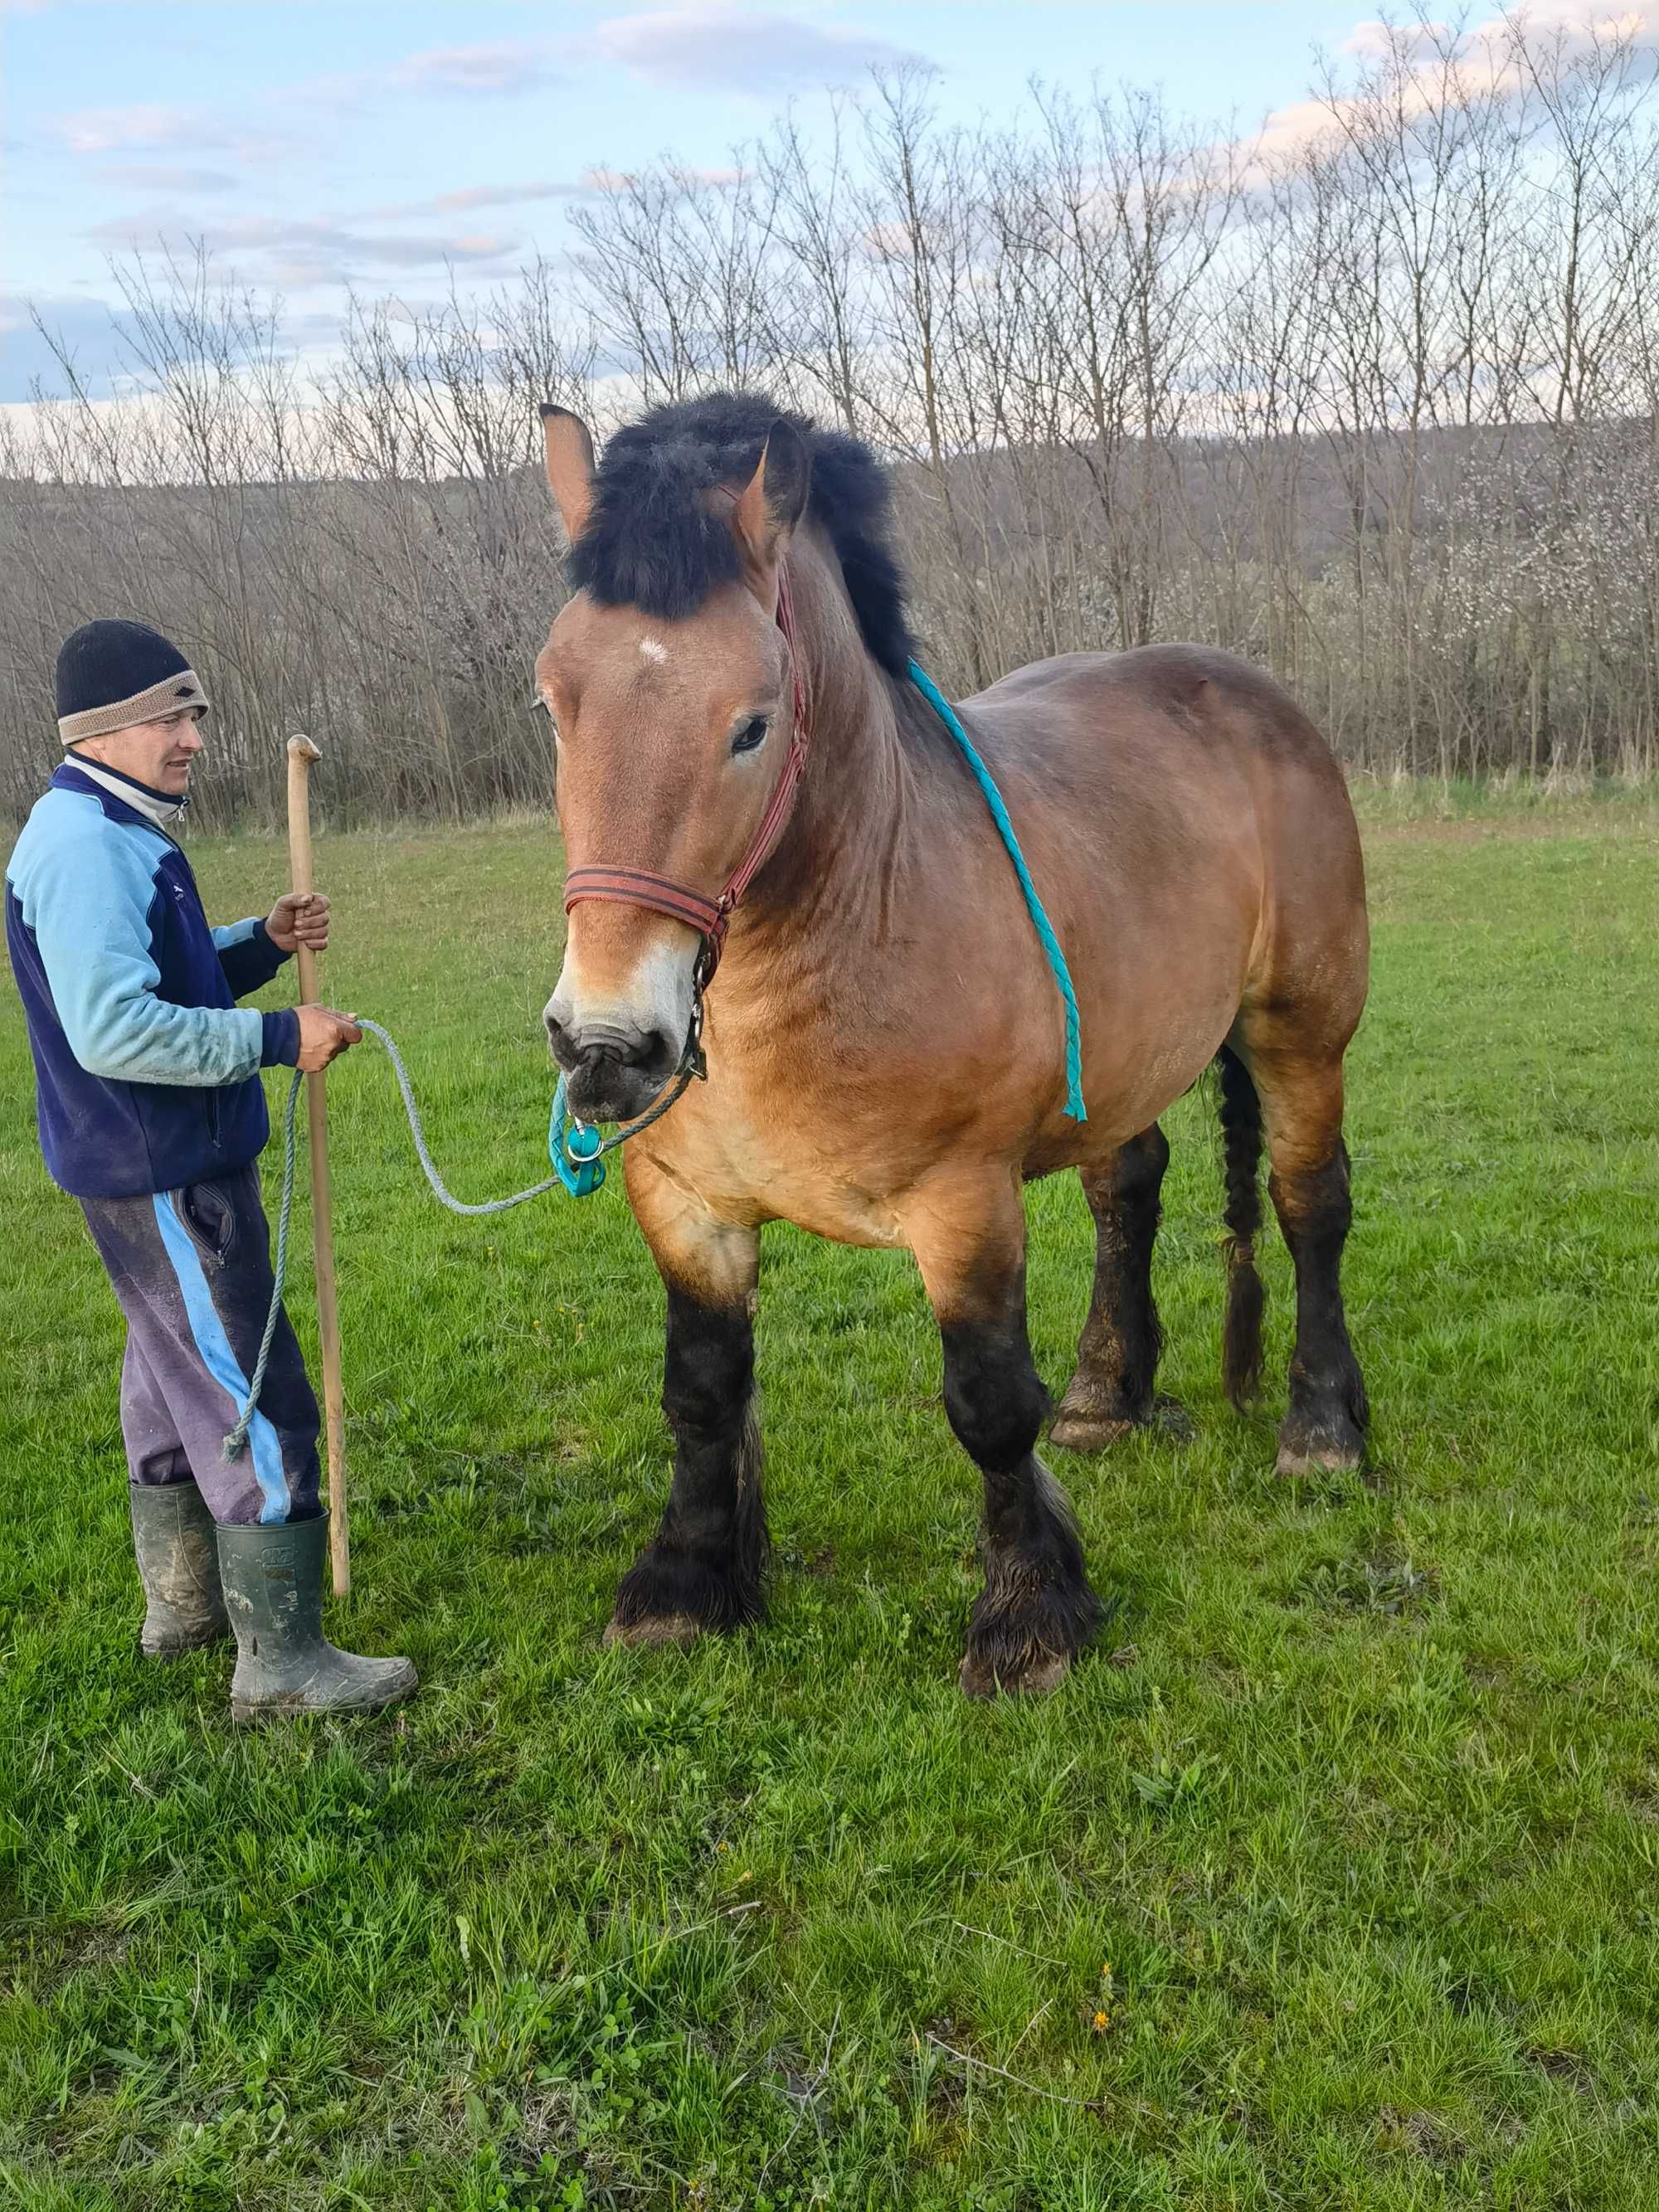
point(235, 1442)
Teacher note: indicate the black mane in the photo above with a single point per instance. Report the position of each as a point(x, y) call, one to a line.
point(651, 543)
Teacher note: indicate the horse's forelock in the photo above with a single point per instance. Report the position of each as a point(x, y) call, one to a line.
point(653, 541)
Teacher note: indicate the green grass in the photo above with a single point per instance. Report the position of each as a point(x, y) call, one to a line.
point(1358, 1794)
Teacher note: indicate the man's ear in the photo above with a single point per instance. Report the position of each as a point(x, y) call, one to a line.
point(569, 454)
point(770, 508)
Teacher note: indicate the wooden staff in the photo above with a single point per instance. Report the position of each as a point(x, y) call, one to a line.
point(301, 755)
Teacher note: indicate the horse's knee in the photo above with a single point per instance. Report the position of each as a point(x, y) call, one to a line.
point(1314, 1205)
point(993, 1396)
point(710, 1366)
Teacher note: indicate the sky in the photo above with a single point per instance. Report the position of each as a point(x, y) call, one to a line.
point(377, 144)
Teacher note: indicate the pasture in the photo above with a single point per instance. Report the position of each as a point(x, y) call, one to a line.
point(1330, 1878)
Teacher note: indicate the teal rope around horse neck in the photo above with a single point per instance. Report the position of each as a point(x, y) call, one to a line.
point(947, 714)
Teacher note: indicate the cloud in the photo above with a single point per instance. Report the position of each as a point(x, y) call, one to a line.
point(150, 124)
point(163, 176)
point(506, 67)
point(1371, 40)
point(481, 195)
point(113, 129)
point(1483, 53)
point(722, 48)
point(301, 251)
point(622, 180)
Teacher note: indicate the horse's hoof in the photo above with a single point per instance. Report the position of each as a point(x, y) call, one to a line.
point(1083, 1431)
point(1298, 1462)
point(1088, 1433)
point(677, 1628)
point(1044, 1672)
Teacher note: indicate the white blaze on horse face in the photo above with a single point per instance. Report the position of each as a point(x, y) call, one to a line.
point(652, 648)
point(655, 994)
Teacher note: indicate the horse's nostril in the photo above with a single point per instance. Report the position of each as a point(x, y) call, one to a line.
point(594, 1044)
point(628, 1048)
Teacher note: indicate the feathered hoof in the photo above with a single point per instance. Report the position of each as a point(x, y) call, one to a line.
point(1034, 1677)
point(1088, 1433)
point(1299, 1459)
point(676, 1628)
point(1080, 1430)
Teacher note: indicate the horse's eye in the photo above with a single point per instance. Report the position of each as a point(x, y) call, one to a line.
point(752, 733)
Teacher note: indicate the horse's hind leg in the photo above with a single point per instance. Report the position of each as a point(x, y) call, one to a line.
point(1325, 1424)
point(1110, 1392)
point(1037, 1610)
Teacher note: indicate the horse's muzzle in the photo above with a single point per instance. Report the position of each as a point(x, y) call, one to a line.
point(611, 1071)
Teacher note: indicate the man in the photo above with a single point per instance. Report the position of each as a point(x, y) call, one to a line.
point(153, 1115)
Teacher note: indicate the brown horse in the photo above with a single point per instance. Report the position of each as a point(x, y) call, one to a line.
point(884, 1042)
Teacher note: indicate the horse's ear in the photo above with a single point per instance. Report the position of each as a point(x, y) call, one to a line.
point(570, 452)
point(771, 505)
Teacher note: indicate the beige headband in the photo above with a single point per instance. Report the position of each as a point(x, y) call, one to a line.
point(182, 690)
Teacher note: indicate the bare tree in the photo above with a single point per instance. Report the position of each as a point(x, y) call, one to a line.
point(1377, 406)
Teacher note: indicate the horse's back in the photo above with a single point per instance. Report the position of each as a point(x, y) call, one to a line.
point(1191, 809)
point(1104, 700)
point(1182, 730)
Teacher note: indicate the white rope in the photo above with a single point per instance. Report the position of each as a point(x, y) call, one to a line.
point(444, 1197)
point(237, 1439)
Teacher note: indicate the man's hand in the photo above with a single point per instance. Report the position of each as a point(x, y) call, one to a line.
point(298, 918)
point(323, 1036)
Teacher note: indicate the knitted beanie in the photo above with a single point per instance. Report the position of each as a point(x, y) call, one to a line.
point(111, 674)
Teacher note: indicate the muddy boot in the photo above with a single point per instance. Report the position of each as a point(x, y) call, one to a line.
point(273, 1579)
point(178, 1567)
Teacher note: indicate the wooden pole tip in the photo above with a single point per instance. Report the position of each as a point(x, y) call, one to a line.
point(300, 748)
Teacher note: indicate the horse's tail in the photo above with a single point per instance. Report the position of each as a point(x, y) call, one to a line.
point(1241, 1143)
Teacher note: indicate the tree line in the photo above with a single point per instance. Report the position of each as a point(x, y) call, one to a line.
point(1369, 397)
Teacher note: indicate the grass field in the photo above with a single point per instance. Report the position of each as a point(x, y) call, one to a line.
point(1330, 1878)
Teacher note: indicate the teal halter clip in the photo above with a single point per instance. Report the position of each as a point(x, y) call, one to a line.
point(578, 1153)
point(575, 1156)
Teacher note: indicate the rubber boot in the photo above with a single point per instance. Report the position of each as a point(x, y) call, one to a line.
point(178, 1567)
point(273, 1582)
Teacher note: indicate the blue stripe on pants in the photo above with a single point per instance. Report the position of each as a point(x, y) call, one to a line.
point(220, 1360)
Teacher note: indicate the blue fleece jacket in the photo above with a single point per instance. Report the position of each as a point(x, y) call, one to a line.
point(147, 1070)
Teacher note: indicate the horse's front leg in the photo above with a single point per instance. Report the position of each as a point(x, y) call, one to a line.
point(704, 1567)
point(1037, 1610)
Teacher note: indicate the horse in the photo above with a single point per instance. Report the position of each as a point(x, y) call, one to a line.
point(747, 777)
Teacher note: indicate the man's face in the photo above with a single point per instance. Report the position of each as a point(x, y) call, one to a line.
point(159, 753)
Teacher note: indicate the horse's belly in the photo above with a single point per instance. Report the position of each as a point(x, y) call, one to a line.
point(1144, 1073)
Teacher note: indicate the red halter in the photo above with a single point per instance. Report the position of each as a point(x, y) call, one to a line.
point(661, 894)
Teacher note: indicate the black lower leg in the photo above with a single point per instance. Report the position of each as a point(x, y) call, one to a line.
point(704, 1567)
point(1112, 1388)
point(1037, 1609)
point(1326, 1422)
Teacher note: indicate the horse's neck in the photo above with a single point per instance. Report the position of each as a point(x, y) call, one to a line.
point(855, 818)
